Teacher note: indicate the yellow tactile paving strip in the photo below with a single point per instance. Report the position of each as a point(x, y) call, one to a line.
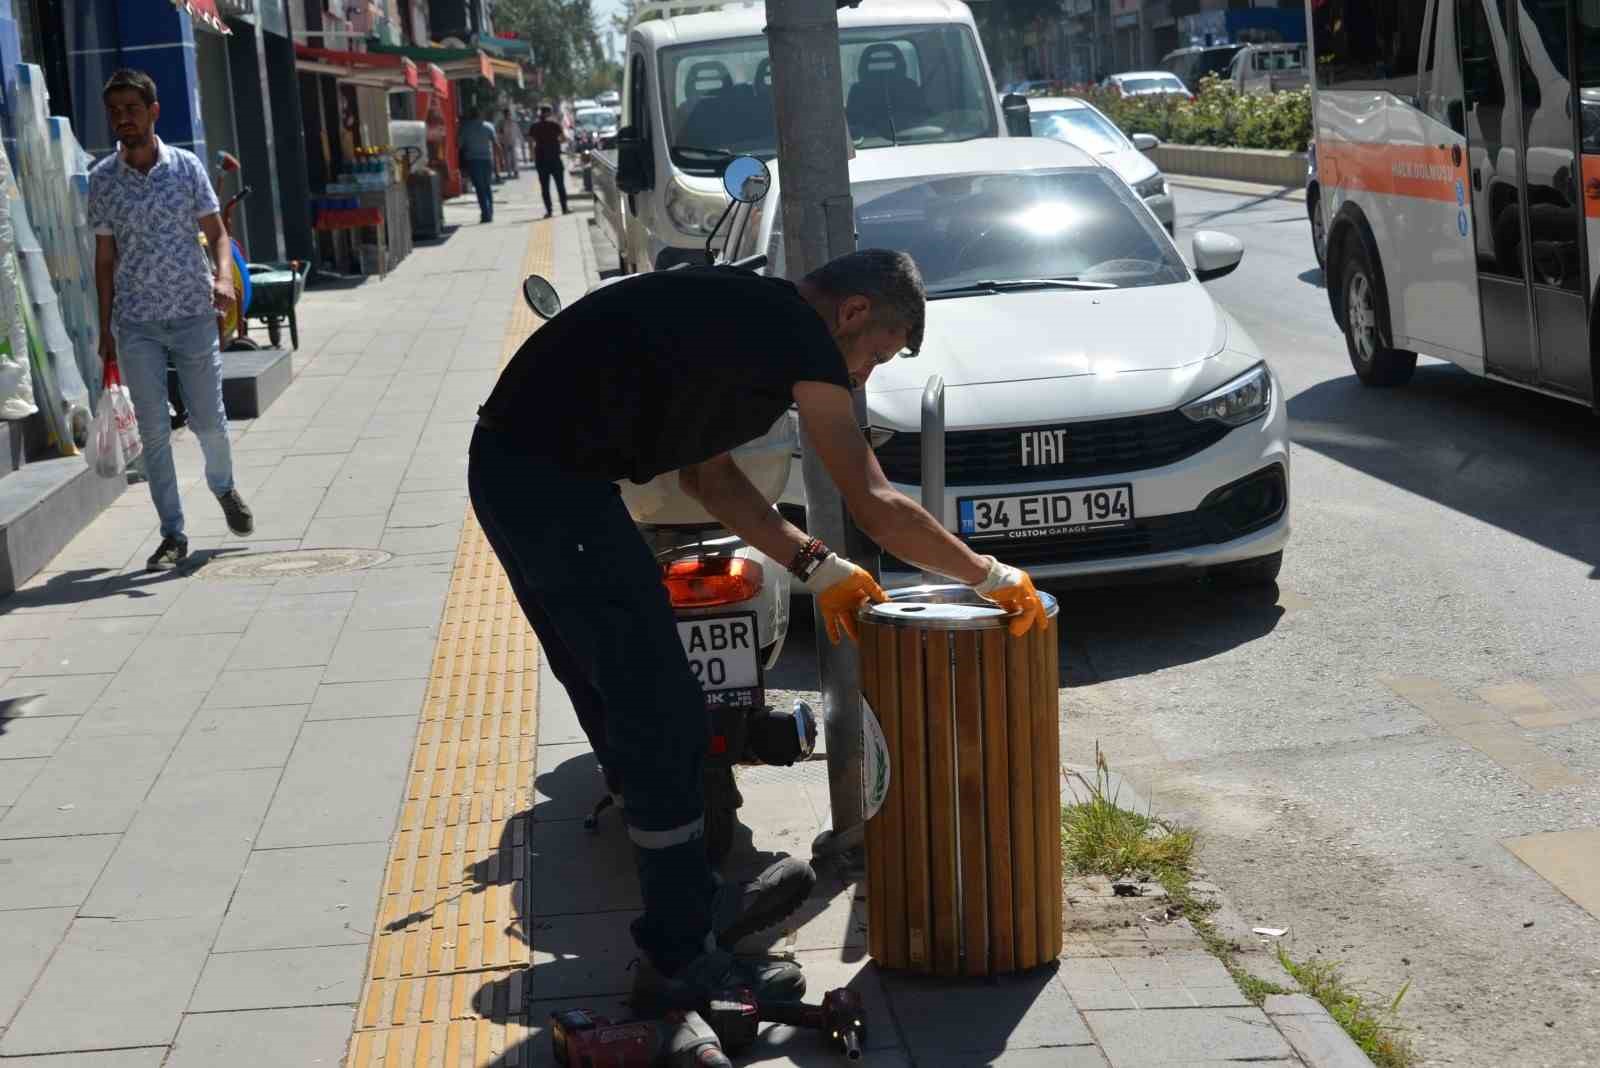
point(444, 979)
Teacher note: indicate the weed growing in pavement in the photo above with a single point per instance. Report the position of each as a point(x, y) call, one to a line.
point(1372, 1028)
point(1100, 838)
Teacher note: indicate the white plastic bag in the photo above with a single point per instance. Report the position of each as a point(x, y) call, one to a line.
point(114, 439)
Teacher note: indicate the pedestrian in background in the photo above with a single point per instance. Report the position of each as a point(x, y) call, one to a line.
point(477, 156)
point(160, 293)
point(506, 134)
point(547, 136)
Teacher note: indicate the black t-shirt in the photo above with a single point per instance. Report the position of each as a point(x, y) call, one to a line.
point(661, 371)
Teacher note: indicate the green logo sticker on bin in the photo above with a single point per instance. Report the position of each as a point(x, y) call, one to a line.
point(874, 763)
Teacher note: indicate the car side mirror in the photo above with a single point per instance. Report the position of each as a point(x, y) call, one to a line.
point(1216, 254)
point(1145, 142)
point(635, 169)
point(541, 296)
point(1014, 106)
point(746, 179)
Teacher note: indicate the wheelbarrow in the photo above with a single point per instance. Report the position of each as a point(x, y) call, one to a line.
point(275, 289)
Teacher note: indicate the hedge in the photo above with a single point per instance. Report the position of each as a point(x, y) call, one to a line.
point(1219, 116)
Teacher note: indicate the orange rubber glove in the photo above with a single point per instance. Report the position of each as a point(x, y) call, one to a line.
point(841, 588)
point(1012, 589)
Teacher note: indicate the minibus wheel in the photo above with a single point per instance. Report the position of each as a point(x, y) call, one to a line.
point(1375, 363)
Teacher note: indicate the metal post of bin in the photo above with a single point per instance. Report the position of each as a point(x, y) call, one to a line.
point(933, 455)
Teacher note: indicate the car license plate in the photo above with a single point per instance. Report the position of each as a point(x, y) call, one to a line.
point(1043, 515)
point(725, 655)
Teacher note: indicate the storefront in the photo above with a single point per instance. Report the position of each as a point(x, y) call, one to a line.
point(471, 74)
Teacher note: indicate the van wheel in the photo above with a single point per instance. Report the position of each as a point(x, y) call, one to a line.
point(1319, 231)
point(1375, 363)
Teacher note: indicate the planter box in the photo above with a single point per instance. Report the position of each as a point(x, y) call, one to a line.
point(43, 506)
point(1267, 166)
point(252, 380)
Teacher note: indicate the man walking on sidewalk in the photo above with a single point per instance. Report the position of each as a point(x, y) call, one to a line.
point(160, 293)
point(507, 136)
point(601, 393)
point(478, 154)
point(547, 136)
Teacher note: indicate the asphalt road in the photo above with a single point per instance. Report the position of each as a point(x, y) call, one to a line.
point(1446, 547)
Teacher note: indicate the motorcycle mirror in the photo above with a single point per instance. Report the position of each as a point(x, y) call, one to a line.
point(746, 179)
point(541, 296)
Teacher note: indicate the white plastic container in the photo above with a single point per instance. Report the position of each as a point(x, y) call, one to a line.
point(765, 461)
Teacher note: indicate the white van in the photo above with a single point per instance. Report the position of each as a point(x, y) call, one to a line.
point(698, 89)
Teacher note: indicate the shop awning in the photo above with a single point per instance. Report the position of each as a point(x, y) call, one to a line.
point(457, 64)
point(205, 11)
point(506, 71)
point(512, 48)
point(371, 69)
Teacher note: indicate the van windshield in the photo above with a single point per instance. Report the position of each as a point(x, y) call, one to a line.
point(902, 85)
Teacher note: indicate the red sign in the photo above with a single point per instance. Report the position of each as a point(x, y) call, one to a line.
point(205, 11)
point(1125, 7)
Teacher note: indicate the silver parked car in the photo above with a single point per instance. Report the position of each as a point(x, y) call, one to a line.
point(1080, 123)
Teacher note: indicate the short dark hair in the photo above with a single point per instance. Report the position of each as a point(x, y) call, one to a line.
point(889, 279)
point(128, 78)
point(545, 109)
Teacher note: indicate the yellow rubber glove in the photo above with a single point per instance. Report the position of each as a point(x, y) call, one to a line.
point(841, 588)
point(1012, 589)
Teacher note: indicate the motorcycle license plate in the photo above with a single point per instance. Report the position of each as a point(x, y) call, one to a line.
point(725, 655)
point(1043, 515)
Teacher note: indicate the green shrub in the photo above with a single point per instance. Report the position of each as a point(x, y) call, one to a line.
point(1218, 116)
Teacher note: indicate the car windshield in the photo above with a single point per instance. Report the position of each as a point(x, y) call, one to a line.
point(1084, 127)
point(1081, 224)
point(598, 119)
point(902, 85)
point(1151, 85)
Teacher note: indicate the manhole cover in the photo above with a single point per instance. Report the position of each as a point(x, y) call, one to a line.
point(299, 563)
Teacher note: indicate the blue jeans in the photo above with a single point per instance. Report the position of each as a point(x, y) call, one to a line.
point(592, 592)
point(481, 172)
point(143, 350)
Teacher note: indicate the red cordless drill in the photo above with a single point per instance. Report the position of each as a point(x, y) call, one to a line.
point(842, 1018)
point(679, 1040)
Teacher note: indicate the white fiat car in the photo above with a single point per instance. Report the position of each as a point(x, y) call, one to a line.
point(1102, 413)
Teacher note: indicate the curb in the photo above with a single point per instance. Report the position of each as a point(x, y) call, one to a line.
point(1272, 166)
point(1293, 193)
point(1305, 1024)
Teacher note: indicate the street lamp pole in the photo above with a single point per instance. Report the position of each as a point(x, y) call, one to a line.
point(818, 225)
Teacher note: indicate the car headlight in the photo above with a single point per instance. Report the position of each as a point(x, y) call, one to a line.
point(1238, 402)
point(693, 212)
point(1154, 186)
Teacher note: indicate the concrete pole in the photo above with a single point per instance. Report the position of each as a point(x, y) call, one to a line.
point(818, 225)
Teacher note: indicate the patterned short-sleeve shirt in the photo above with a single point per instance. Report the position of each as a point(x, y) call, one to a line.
point(162, 269)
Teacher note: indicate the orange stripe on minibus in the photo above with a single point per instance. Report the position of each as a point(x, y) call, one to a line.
point(1591, 186)
point(1423, 171)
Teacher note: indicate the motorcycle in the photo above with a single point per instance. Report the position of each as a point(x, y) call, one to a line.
point(730, 601)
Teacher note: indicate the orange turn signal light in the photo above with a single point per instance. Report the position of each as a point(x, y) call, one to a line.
point(708, 581)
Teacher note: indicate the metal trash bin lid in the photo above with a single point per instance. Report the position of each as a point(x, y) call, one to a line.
point(952, 607)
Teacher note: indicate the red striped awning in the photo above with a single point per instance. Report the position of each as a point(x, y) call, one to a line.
point(204, 11)
point(378, 69)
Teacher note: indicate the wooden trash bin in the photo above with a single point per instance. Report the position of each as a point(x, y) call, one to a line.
point(964, 852)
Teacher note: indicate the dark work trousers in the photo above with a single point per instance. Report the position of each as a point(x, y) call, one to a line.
point(481, 172)
point(551, 170)
point(592, 592)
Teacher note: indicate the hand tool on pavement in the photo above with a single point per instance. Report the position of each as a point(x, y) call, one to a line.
point(842, 1018)
point(678, 1040)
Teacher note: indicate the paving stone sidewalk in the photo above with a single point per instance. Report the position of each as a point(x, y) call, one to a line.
point(200, 778)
